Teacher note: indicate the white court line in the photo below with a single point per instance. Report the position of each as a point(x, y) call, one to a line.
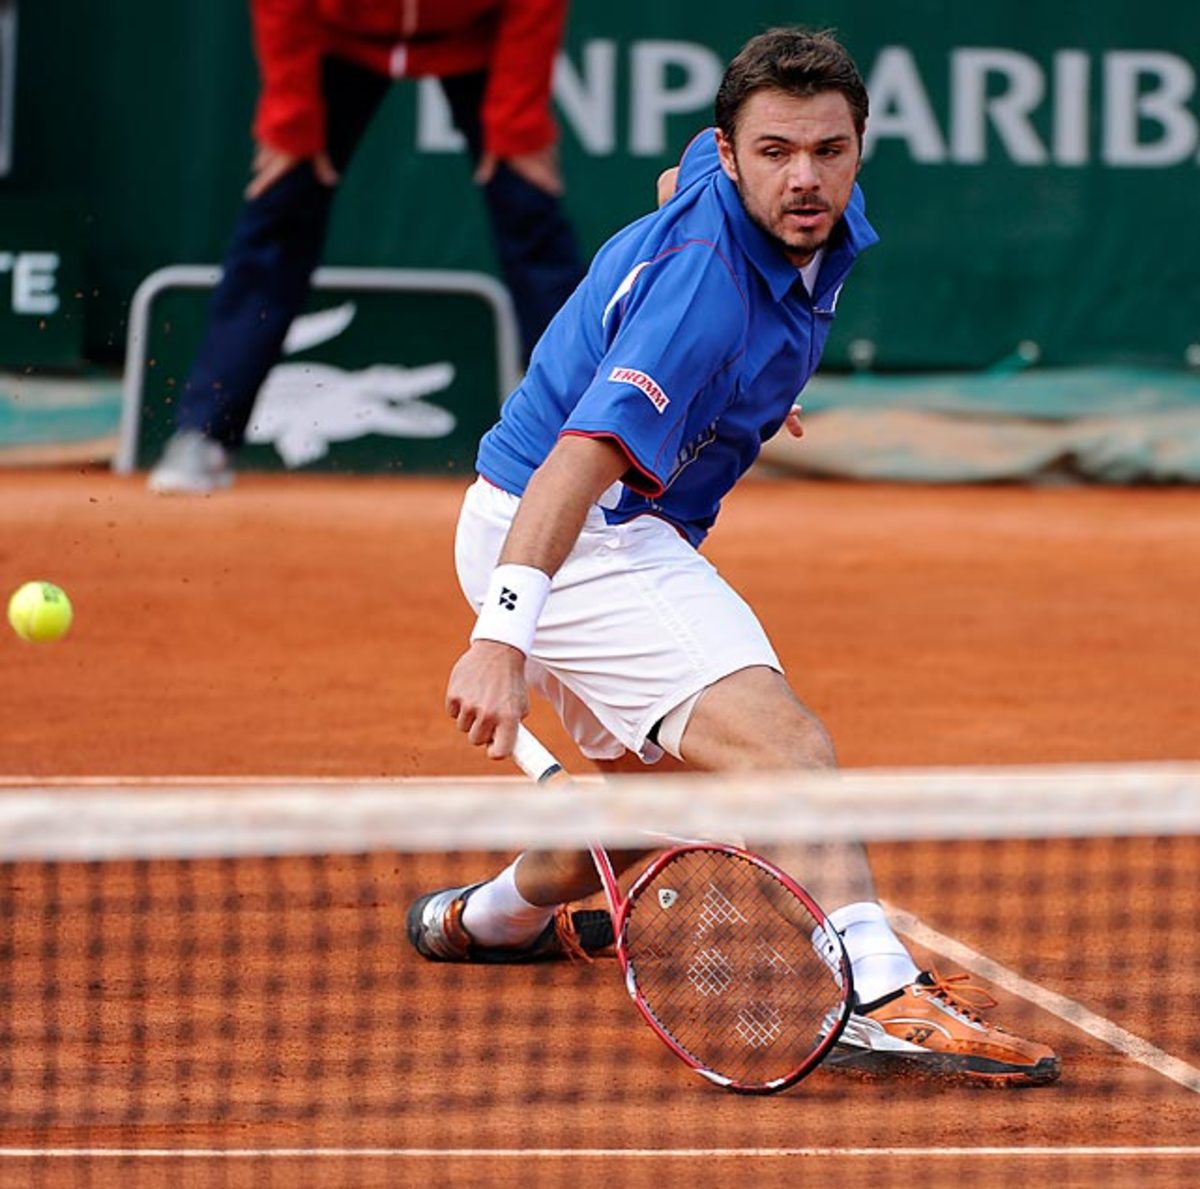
point(1074, 1153)
point(1134, 1047)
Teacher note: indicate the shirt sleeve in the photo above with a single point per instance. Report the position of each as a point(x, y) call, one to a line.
point(517, 116)
point(674, 330)
point(700, 159)
point(288, 43)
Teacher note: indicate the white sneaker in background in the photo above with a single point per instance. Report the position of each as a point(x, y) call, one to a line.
point(191, 464)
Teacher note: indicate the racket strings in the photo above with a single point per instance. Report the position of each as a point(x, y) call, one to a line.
point(723, 958)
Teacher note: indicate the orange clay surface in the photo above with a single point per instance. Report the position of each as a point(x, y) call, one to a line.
point(305, 626)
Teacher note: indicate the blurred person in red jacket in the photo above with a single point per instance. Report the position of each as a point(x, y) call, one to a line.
point(325, 66)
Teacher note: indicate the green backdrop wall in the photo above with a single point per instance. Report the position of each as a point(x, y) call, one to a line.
point(1033, 169)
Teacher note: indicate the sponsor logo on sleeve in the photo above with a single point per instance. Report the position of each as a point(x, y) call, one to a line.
point(644, 383)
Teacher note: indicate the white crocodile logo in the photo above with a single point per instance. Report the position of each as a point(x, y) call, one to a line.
point(304, 407)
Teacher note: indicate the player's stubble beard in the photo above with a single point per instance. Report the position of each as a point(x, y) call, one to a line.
point(807, 246)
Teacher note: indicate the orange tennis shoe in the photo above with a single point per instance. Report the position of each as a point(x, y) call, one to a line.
point(932, 1027)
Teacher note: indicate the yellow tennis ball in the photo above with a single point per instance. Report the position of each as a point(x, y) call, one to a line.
point(40, 612)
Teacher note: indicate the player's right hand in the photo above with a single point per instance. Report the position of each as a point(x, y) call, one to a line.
point(270, 164)
point(487, 695)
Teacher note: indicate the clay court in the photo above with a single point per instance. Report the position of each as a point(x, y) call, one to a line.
point(304, 626)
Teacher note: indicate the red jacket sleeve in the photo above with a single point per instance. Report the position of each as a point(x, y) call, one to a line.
point(517, 117)
point(288, 41)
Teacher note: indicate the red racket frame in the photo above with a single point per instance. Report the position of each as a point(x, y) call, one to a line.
point(537, 762)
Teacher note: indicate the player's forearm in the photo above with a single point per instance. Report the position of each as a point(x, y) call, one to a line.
point(557, 500)
point(547, 525)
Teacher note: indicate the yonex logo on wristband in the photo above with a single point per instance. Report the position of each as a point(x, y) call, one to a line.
point(643, 382)
point(509, 613)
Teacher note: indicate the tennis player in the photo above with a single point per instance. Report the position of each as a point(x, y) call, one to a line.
point(646, 399)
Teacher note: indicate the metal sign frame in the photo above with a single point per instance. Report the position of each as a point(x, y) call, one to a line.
point(394, 280)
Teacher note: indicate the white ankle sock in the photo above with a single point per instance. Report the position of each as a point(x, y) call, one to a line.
point(497, 914)
point(878, 959)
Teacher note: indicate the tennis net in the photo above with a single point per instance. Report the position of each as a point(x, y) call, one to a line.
point(211, 984)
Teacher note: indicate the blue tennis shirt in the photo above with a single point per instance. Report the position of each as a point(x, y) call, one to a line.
point(687, 344)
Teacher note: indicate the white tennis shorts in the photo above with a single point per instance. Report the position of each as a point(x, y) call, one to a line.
point(636, 623)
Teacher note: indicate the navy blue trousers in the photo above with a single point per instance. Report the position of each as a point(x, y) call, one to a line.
point(279, 237)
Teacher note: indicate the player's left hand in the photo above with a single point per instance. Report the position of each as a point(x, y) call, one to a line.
point(539, 169)
point(792, 421)
point(664, 188)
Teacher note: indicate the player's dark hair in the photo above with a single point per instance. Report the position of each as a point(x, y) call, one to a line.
point(797, 61)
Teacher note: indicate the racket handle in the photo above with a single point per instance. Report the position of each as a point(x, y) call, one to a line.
point(535, 760)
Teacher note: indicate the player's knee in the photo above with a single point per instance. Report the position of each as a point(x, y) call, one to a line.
point(801, 742)
point(814, 744)
point(782, 734)
point(752, 719)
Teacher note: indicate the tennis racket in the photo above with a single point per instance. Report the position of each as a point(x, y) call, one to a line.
point(728, 959)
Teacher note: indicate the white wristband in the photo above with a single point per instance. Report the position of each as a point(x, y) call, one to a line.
point(512, 606)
